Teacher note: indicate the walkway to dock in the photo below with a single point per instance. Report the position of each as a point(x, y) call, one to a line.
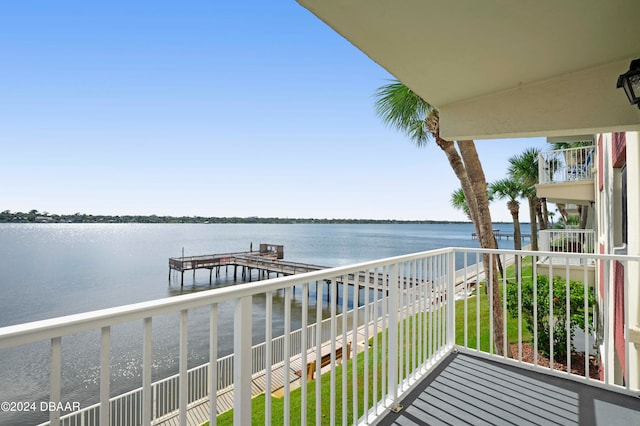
point(198, 412)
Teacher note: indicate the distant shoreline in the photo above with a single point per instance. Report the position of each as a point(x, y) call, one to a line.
point(36, 217)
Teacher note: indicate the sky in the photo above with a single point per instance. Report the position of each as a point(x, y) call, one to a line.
point(207, 108)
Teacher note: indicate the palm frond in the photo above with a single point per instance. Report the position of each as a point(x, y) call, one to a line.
point(459, 202)
point(524, 167)
point(400, 107)
point(508, 188)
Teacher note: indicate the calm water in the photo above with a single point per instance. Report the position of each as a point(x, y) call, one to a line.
point(50, 270)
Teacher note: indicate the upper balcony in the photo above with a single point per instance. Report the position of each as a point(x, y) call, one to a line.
point(568, 241)
point(419, 340)
point(567, 175)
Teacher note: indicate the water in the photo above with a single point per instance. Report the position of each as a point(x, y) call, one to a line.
point(50, 270)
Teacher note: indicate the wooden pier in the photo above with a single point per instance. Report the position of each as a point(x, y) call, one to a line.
point(268, 260)
point(499, 235)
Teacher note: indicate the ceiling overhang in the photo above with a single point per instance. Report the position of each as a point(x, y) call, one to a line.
point(502, 68)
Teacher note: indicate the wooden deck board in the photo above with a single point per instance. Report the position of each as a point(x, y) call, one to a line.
point(469, 390)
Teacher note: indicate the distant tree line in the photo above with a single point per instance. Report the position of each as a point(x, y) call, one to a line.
point(34, 216)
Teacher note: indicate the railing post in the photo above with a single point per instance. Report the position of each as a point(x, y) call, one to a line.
point(242, 362)
point(55, 378)
point(451, 297)
point(147, 347)
point(392, 370)
point(105, 374)
point(544, 240)
point(183, 378)
point(213, 364)
point(544, 178)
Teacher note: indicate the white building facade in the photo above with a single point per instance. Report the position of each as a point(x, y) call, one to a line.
point(617, 195)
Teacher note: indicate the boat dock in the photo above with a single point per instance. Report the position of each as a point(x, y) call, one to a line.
point(270, 260)
point(267, 260)
point(500, 235)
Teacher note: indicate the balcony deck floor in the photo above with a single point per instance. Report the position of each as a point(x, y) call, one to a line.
point(465, 389)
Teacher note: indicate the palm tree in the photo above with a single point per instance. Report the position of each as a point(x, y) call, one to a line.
point(524, 168)
point(510, 189)
point(458, 202)
point(400, 107)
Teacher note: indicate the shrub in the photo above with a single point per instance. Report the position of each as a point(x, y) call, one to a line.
point(555, 326)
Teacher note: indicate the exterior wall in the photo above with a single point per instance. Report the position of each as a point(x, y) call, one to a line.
point(633, 247)
point(610, 240)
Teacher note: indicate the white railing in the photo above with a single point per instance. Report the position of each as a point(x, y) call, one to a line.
point(565, 165)
point(409, 327)
point(533, 305)
point(567, 240)
point(165, 401)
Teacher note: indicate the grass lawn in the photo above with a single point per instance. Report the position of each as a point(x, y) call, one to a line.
point(258, 403)
point(512, 323)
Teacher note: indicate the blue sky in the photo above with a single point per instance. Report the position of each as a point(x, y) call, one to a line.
point(206, 108)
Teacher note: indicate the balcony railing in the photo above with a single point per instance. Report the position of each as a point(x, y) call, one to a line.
point(407, 320)
point(567, 240)
point(566, 165)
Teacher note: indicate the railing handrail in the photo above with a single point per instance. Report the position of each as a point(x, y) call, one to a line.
point(20, 334)
point(568, 240)
point(595, 256)
point(213, 255)
point(567, 230)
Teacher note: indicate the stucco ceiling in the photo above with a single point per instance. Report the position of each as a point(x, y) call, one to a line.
point(483, 62)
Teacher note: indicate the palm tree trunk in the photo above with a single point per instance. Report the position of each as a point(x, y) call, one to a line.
point(545, 212)
point(461, 173)
point(479, 187)
point(474, 187)
point(534, 225)
point(479, 184)
point(472, 203)
point(584, 216)
point(517, 235)
point(541, 219)
point(563, 213)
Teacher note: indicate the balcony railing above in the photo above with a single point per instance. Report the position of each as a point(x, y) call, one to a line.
point(567, 240)
point(566, 165)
